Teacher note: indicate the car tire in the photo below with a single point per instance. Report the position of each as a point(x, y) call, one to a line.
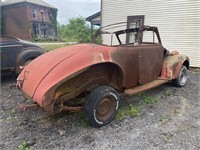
point(182, 78)
point(101, 106)
point(27, 62)
point(18, 69)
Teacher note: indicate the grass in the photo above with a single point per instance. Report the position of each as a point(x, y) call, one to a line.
point(23, 146)
point(147, 100)
point(167, 93)
point(123, 110)
point(165, 119)
point(82, 119)
point(127, 110)
point(197, 70)
point(68, 40)
point(12, 112)
point(132, 111)
point(49, 47)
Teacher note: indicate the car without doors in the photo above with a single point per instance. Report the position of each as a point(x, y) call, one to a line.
point(15, 53)
point(91, 77)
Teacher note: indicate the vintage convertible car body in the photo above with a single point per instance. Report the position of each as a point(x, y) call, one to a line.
point(59, 79)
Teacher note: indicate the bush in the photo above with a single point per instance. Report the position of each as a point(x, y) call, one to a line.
point(76, 30)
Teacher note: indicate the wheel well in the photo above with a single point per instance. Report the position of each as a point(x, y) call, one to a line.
point(113, 72)
point(29, 58)
point(186, 63)
point(98, 74)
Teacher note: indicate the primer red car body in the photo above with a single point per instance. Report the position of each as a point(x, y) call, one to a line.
point(60, 76)
point(38, 78)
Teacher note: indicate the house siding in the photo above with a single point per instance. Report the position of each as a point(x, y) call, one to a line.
point(15, 22)
point(178, 21)
point(38, 10)
point(18, 20)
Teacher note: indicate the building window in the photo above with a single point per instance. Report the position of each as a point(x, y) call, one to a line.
point(50, 14)
point(36, 28)
point(133, 22)
point(34, 13)
point(42, 14)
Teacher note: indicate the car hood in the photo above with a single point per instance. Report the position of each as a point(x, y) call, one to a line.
point(34, 73)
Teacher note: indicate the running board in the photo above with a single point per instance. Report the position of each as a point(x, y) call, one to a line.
point(144, 87)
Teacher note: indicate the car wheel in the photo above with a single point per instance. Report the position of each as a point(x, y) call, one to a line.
point(182, 77)
point(101, 106)
point(27, 62)
point(20, 68)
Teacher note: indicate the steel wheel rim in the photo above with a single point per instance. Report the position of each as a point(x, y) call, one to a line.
point(105, 108)
point(183, 76)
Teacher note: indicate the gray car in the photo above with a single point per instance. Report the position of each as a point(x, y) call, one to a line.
point(15, 53)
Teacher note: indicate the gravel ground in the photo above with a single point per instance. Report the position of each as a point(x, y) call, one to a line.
point(171, 123)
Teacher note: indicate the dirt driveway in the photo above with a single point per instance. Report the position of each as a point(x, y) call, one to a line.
point(171, 122)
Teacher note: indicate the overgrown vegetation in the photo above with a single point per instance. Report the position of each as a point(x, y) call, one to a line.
point(53, 18)
point(147, 100)
point(131, 109)
point(197, 70)
point(75, 30)
point(82, 119)
point(127, 110)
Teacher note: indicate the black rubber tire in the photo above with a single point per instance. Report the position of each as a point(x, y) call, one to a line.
point(101, 106)
point(27, 62)
point(18, 70)
point(182, 78)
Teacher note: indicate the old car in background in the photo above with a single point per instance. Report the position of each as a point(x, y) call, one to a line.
point(16, 52)
point(90, 77)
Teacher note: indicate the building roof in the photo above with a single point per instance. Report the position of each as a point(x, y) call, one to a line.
point(94, 19)
point(37, 2)
point(93, 16)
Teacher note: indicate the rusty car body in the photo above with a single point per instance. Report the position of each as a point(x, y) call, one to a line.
point(15, 53)
point(58, 80)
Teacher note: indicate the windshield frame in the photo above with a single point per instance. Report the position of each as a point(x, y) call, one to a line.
point(139, 32)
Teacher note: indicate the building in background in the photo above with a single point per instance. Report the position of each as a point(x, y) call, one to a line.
point(178, 21)
point(94, 20)
point(29, 19)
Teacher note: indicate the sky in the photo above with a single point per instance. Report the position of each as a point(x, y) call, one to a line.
point(73, 8)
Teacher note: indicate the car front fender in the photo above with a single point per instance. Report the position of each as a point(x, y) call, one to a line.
point(172, 65)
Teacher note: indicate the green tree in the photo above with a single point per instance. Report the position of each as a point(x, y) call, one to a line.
point(76, 29)
point(61, 31)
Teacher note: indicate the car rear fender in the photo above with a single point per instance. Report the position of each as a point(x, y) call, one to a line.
point(172, 65)
point(97, 74)
point(80, 76)
point(27, 54)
